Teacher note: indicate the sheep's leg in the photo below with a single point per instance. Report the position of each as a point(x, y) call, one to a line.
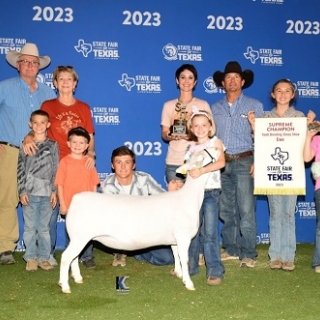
point(183, 250)
point(75, 271)
point(67, 257)
point(177, 264)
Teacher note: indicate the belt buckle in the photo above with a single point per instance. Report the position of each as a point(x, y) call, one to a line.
point(230, 157)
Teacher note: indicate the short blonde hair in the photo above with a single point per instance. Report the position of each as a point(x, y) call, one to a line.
point(69, 69)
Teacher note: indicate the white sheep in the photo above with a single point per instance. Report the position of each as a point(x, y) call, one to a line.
point(128, 222)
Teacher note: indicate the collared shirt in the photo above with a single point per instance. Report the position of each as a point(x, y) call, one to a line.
point(232, 125)
point(290, 113)
point(142, 185)
point(16, 105)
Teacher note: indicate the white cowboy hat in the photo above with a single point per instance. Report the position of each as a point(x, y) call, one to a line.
point(29, 49)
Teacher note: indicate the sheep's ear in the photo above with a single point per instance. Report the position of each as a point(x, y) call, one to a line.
point(182, 169)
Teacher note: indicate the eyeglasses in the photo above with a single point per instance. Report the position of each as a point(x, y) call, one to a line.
point(28, 63)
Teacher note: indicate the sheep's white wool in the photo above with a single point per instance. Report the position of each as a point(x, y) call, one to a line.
point(134, 222)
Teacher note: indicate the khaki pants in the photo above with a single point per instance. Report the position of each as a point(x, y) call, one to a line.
point(9, 228)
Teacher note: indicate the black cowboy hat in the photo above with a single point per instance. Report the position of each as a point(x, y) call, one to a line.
point(234, 67)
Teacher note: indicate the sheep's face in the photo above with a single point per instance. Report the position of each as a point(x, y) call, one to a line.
point(200, 159)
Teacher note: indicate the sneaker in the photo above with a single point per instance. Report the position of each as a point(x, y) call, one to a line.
point(89, 264)
point(119, 260)
point(275, 264)
point(32, 265)
point(201, 262)
point(247, 263)
point(317, 269)
point(288, 266)
point(226, 256)
point(45, 265)
point(52, 260)
point(7, 258)
point(213, 281)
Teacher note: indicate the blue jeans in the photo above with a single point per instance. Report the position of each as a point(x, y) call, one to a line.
point(209, 219)
point(316, 252)
point(282, 227)
point(171, 173)
point(159, 256)
point(53, 227)
point(237, 209)
point(36, 217)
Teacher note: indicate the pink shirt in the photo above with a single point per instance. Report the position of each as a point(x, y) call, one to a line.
point(315, 146)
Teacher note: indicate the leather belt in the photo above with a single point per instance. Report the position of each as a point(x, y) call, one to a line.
point(8, 144)
point(237, 156)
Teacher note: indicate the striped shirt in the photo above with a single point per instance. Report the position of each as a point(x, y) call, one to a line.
point(36, 174)
point(16, 105)
point(232, 125)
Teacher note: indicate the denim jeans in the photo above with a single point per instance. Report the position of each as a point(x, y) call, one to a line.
point(36, 235)
point(53, 227)
point(282, 227)
point(171, 173)
point(237, 209)
point(316, 252)
point(159, 256)
point(209, 218)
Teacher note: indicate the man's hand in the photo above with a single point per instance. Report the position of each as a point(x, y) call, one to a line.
point(175, 185)
point(29, 146)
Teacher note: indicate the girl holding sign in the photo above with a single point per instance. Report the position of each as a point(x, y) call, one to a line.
point(282, 207)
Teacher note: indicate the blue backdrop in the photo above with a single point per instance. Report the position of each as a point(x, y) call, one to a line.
point(126, 53)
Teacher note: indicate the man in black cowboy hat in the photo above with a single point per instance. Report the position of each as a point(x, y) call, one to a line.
point(19, 97)
point(237, 202)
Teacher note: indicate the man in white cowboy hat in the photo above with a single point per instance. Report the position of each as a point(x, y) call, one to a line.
point(237, 202)
point(19, 97)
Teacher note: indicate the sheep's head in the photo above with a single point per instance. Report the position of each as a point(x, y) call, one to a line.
point(200, 159)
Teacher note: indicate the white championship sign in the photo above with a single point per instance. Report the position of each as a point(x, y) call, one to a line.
point(278, 156)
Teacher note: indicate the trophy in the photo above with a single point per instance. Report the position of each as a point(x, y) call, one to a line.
point(314, 126)
point(180, 125)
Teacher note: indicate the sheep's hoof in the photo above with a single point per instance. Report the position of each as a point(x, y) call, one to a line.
point(78, 280)
point(189, 285)
point(64, 290)
point(174, 273)
point(191, 288)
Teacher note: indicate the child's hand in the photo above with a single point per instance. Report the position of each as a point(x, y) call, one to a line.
point(310, 116)
point(251, 118)
point(53, 200)
point(195, 173)
point(63, 209)
point(24, 199)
